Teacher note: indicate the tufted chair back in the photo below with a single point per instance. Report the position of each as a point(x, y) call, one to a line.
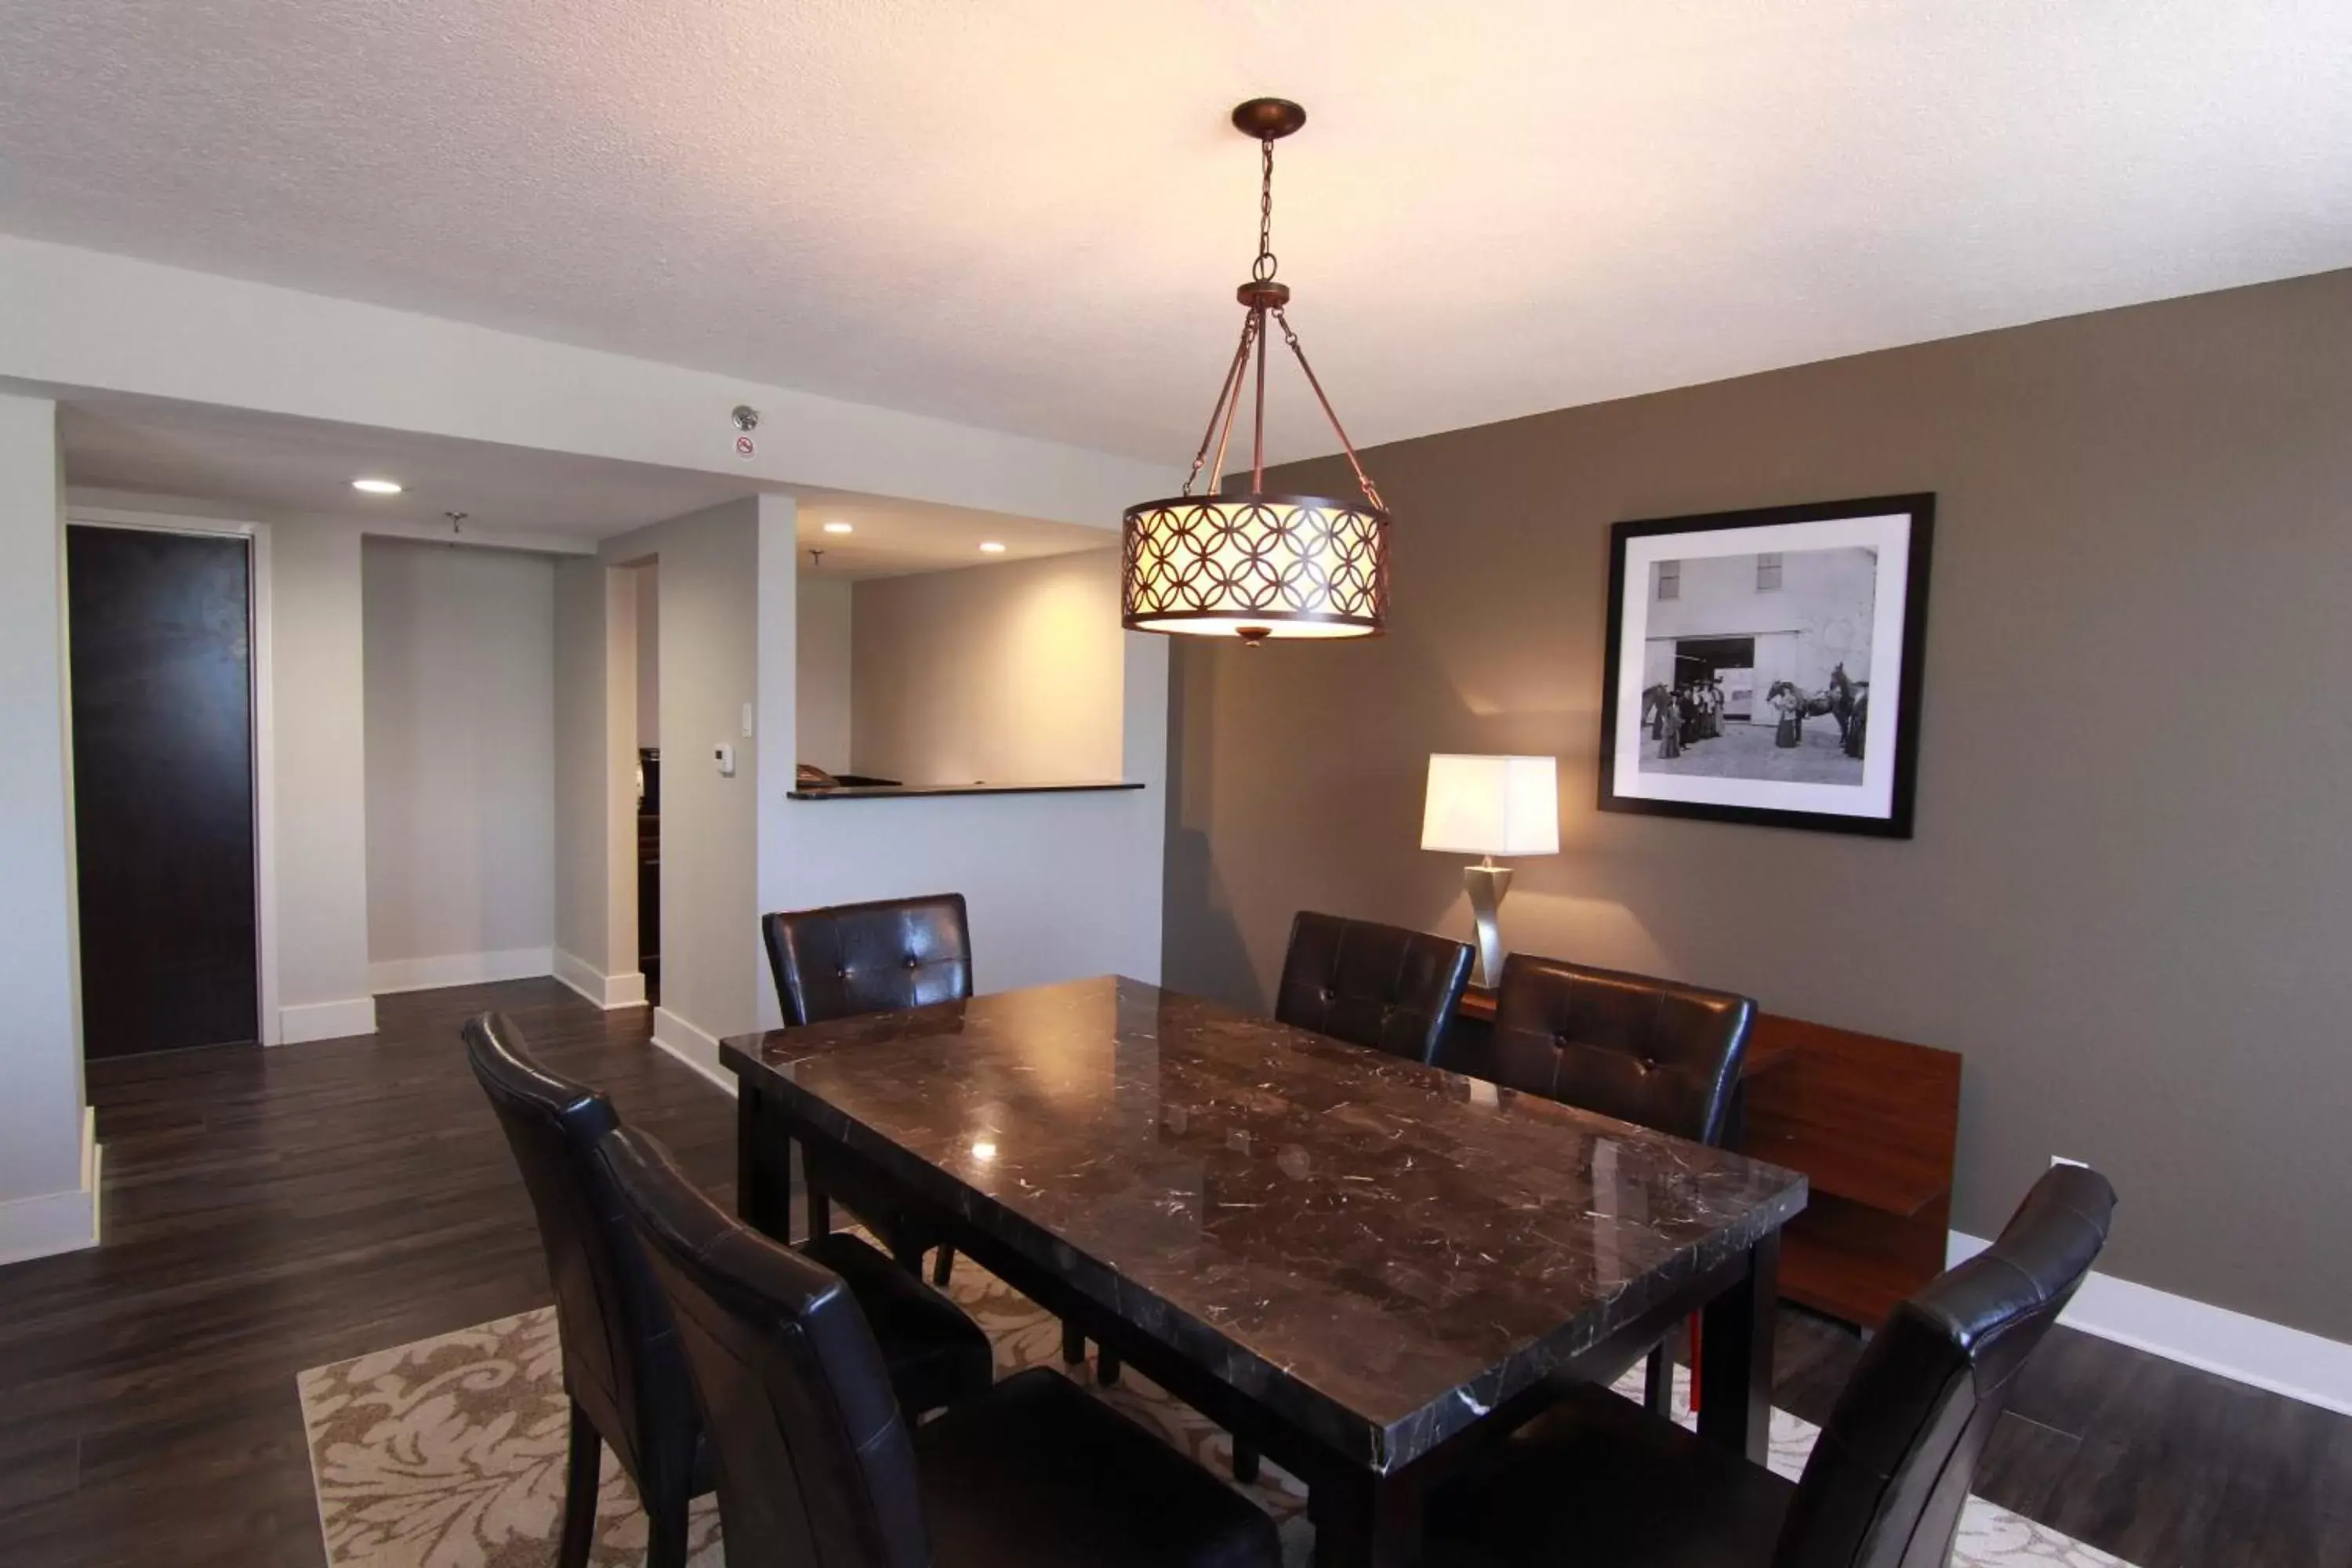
point(813, 1459)
point(621, 1361)
point(1887, 1479)
point(1643, 1050)
point(1376, 986)
point(850, 959)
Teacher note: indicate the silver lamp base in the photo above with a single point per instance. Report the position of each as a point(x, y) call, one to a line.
point(1488, 883)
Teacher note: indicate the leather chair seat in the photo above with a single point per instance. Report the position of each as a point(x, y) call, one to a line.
point(1597, 1482)
point(847, 960)
point(938, 1355)
point(623, 1367)
point(1602, 1476)
point(819, 1463)
point(1040, 1475)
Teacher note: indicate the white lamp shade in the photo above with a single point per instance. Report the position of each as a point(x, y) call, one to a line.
point(1492, 805)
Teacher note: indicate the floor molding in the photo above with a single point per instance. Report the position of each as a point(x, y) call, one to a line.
point(393, 974)
point(326, 1020)
point(692, 1047)
point(2247, 1350)
point(51, 1223)
point(607, 991)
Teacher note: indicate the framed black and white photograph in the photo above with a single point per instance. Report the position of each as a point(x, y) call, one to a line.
point(1765, 666)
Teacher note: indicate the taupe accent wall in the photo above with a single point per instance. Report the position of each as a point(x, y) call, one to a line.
point(2128, 903)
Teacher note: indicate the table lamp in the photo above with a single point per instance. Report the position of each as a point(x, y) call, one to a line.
point(1488, 806)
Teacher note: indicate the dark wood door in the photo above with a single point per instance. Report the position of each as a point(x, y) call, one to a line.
point(162, 762)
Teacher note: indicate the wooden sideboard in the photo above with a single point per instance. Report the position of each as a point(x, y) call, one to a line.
point(1874, 1123)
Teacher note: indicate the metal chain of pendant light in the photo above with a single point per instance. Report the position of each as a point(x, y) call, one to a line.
point(1250, 565)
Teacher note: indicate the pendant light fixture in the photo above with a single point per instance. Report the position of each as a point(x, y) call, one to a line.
point(1249, 564)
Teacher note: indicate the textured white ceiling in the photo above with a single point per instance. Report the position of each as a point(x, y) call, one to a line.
point(1030, 215)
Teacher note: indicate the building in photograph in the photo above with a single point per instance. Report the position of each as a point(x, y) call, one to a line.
point(1749, 620)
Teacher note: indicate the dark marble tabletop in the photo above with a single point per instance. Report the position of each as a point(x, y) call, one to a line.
point(1376, 1249)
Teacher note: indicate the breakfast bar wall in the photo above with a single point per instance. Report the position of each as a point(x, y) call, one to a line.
point(2135, 656)
point(1061, 883)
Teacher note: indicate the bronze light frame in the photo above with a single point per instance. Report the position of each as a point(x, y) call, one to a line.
point(1247, 563)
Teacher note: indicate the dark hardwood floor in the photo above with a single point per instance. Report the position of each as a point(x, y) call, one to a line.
point(269, 1211)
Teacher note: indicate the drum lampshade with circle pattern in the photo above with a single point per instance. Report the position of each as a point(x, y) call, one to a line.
point(1249, 564)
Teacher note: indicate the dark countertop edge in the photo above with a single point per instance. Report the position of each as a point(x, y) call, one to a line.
point(903, 792)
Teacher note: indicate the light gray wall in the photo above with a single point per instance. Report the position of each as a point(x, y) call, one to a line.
point(40, 1046)
point(2127, 897)
point(459, 654)
point(1008, 673)
point(318, 713)
point(648, 646)
point(596, 608)
point(581, 743)
point(823, 640)
point(707, 567)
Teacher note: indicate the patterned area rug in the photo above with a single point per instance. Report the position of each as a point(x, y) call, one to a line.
point(449, 1453)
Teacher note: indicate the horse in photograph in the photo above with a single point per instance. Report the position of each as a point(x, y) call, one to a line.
point(1838, 702)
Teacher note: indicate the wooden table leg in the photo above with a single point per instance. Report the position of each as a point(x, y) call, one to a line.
point(763, 1167)
point(1366, 1520)
point(1735, 1357)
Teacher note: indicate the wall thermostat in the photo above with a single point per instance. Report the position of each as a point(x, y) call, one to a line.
point(723, 754)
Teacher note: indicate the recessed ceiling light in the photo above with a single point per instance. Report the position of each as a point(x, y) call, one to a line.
point(839, 528)
point(992, 547)
point(377, 487)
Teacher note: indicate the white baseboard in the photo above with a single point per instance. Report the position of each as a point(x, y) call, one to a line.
point(692, 1047)
point(458, 969)
point(326, 1020)
point(50, 1223)
point(607, 991)
point(2246, 1350)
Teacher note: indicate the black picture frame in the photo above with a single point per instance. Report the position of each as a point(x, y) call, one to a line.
point(1890, 798)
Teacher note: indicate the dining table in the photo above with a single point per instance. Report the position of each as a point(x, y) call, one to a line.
point(1367, 1269)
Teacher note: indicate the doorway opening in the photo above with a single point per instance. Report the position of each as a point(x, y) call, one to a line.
point(160, 654)
point(1729, 661)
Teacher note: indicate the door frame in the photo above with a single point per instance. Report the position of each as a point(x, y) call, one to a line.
point(265, 749)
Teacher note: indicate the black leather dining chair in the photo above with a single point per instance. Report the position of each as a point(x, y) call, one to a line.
point(816, 1460)
point(1887, 1478)
point(622, 1365)
point(1654, 1052)
point(848, 960)
point(1649, 1051)
point(1371, 984)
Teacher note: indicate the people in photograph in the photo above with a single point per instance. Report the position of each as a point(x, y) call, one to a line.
point(1858, 721)
point(1670, 725)
point(1790, 731)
